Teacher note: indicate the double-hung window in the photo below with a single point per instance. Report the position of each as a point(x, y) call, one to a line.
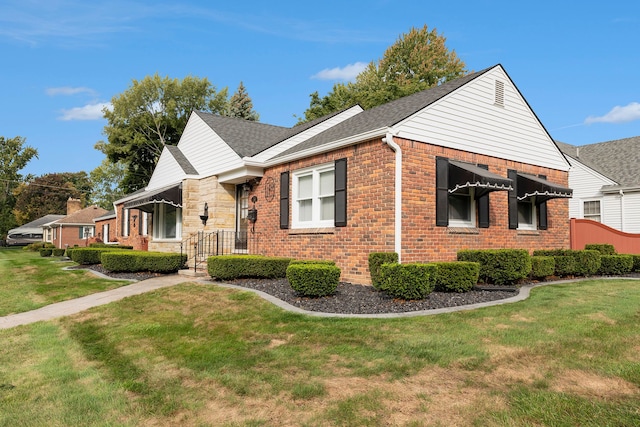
point(462, 212)
point(527, 215)
point(591, 210)
point(314, 197)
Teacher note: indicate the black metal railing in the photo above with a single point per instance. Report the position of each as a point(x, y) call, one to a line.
point(201, 245)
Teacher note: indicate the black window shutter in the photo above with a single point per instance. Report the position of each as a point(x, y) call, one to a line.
point(542, 212)
point(80, 232)
point(483, 206)
point(284, 200)
point(122, 223)
point(513, 199)
point(340, 205)
point(442, 192)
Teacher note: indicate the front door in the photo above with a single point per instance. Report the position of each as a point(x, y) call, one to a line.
point(242, 223)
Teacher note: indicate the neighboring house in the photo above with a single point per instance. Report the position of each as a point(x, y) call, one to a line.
point(31, 232)
point(606, 182)
point(75, 228)
point(466, 164)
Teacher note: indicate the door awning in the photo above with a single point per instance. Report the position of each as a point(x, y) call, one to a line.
point(543, 190)
point(171, 195)
point(465, 175)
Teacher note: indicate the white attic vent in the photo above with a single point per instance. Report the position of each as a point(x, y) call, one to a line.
point(499, 98)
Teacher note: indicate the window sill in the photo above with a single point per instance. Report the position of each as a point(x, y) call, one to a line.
point(323, 230)
point(463, 230)
point(528, 232)
point(158, 240)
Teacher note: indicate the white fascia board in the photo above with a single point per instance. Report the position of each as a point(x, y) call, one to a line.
point(324, 148)
point(617, 188)
point(240, 175)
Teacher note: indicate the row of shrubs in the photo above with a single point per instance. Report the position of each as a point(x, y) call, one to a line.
point(123, 259)
point(321, 278)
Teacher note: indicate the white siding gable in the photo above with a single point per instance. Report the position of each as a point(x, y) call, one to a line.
point(309, 133)
point(474, 119)
point(206, 151)
point(166, 172)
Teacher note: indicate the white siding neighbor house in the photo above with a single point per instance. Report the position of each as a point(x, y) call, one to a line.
point(605, 179)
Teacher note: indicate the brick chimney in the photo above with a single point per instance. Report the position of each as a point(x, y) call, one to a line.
point(73, 206)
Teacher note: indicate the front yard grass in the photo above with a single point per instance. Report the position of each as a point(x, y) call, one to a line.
point(198, 354)
point(29, 281)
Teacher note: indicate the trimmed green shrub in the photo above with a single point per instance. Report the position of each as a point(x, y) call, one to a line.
point(587, 262)
point(229, 267)
point(614, 265)
point(603, 248)
point(542, 266)
point(87, 256)
point(376, 259)
point(457, 276)
point(565, 265)
point(106, 245)
point(46, 252)
point(58, 252)
point(499, 266)
point(36, 246)
point(313, 279)
point(412, 281)
point(636, 263)
point(312, 261)
point(133, 261)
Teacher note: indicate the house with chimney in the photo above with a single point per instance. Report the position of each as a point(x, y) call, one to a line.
point(76, 228)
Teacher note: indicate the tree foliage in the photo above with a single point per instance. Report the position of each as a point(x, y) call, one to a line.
point(14, 156)
point(241, 106)
point(150, 114)
point(417, 61)
point(106, 183)
point(48, 194)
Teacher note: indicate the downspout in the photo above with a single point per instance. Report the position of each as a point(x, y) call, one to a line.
point(621, 210)
point(388, 139)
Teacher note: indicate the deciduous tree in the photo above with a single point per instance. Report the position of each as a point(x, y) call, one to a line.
point(48, 194)
point(417, 61)
point(14, 156)
point(150, 114)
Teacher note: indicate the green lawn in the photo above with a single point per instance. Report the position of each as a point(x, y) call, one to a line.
point(197, 355)
point(29, 281)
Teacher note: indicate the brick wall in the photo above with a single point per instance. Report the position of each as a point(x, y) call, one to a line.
point(68, 235)
point(370, 212)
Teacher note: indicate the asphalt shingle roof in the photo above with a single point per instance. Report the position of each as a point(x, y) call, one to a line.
point(618, 160)
point(83, 216)
point(182, 160)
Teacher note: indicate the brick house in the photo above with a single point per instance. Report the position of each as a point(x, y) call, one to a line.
point(75, 228)
point(466, 164)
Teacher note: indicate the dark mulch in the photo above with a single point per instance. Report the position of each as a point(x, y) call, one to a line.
point(358, 299)
point(143, 275)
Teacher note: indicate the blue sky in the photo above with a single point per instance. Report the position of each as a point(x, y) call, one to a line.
point(576, 63)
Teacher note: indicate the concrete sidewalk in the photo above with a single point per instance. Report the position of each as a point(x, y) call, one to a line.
point(66, 308)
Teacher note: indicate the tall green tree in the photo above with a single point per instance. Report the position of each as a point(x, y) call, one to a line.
point(48, 194)
point(418, 60)
point(150, 114)
point(241, 106)
point(106, 183)
point(14, 156)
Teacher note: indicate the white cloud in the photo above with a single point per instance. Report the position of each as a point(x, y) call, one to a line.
point(88, 112)
point(348, 72)
point(628, 113)
point(67, 91)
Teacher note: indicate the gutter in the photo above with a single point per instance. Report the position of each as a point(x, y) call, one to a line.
point(388, 139)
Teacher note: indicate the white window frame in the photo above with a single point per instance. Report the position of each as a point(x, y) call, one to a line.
point(471, 223)
point(590, 216)
point(533, 225)
point(316, 197)
point(145, 223)
point(158, 229)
